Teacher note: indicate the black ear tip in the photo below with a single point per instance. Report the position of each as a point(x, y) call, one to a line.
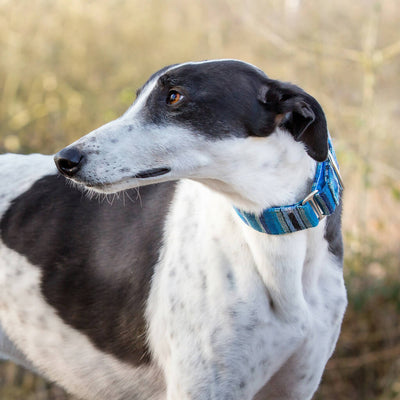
point(319, 156)
point(317, 143)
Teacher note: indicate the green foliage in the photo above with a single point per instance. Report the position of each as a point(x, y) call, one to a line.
point(396, 193)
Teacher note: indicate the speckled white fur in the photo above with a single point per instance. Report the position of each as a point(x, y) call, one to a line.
point(57, 350)
point(232, 312)
point(255, 306)
point(230, 309)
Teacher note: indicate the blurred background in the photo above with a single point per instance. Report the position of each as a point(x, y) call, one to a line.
point(67, 67)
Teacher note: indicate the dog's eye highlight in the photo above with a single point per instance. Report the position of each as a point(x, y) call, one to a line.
point(174, 97)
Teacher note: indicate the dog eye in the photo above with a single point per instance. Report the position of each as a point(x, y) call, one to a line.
point(174, 97)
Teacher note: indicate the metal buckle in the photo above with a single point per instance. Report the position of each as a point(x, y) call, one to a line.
point(335, 168)
point(314, 204)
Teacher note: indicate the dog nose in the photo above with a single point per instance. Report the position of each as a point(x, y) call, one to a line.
point(69, 161)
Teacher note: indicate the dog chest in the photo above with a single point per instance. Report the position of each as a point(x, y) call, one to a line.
point(208, 311)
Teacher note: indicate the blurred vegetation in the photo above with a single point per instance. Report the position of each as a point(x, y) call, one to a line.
point(67, 67)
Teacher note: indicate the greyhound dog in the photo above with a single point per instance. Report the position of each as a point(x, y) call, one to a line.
point(203, 258)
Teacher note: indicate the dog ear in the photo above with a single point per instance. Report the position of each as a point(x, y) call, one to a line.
point(291, 108)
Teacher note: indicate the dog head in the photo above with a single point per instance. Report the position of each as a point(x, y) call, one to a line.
point(211, 121)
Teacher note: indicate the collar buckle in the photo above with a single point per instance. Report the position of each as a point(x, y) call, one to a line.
point(314, 204)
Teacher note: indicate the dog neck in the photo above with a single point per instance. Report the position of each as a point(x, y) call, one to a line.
point(321, 201)
point(288, 217)
point(258, 173)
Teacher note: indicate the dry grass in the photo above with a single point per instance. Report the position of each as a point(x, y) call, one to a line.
point(68, 67)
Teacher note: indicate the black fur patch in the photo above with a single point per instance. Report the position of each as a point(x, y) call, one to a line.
point(333, 232)
point(97, 259)
point(232, 98)
point(219, 99)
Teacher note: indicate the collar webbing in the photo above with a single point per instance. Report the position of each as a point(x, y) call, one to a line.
point(322, 201)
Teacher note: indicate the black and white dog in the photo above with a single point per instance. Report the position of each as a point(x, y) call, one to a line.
point(166, 292)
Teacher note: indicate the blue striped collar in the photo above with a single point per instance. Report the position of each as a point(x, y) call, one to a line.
point(322, 201)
